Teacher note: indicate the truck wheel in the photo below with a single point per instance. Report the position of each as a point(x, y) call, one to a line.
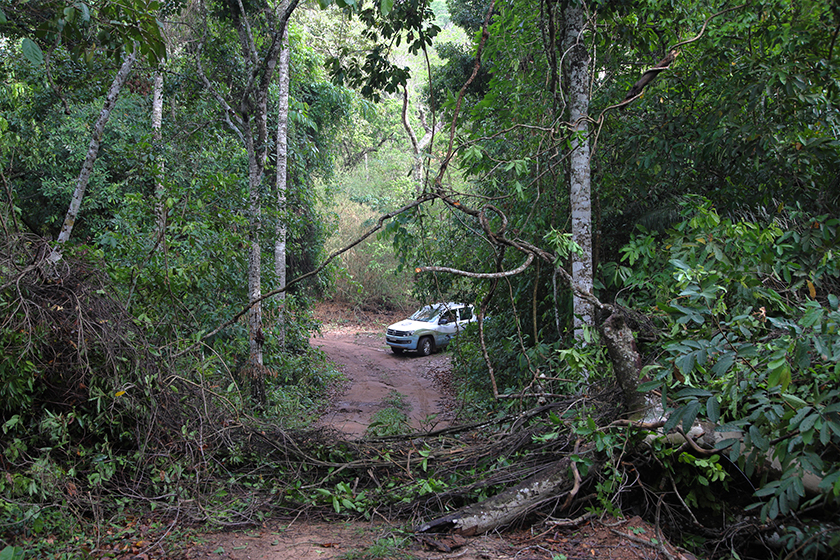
point(425, 347)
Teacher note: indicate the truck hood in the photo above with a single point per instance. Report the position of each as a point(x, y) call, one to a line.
point(409, 325)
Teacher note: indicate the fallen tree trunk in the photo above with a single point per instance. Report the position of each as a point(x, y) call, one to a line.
point(513, 504)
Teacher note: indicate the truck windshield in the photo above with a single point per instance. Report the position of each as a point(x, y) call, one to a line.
point(426, 314)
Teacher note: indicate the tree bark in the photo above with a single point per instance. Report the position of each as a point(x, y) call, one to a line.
point(255, 334)
point(282, 178)
point(157, 121)
point(93, 148)
point(577, 84)
point(512, 504)
point(248, 118)
point(417, 146)
point(627, 363)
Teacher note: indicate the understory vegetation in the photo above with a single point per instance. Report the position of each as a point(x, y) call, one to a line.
point(155, 370)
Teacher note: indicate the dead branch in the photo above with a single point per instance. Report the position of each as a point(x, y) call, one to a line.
point(485, 34)
point(638, 425)
point(479, 275)
point(648, 77)
point(577, 521)
point(658, 546)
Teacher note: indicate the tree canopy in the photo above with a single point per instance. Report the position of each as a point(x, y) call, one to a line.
point(641, 199)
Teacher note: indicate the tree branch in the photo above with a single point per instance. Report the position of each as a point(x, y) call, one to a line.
point(479, 275)
point(417, 202)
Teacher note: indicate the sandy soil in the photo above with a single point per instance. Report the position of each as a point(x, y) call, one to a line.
point(357, 346)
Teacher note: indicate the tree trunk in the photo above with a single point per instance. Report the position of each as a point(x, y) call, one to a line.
point(93, 148)
point(282, 178)
point(627, 363)
point(255, 334)
point(417, 146)
point(157, 121)
point(577, 85)
point(247, 116)
point(512, 504)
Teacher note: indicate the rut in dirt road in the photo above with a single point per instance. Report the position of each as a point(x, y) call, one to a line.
point(379, 379)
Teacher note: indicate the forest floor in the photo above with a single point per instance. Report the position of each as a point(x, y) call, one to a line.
point(356, 345)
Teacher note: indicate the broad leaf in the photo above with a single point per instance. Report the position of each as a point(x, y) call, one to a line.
point(692, 392)
point(713, 409)
point(32, 52)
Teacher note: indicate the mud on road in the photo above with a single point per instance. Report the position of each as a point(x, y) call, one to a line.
point(377, 379)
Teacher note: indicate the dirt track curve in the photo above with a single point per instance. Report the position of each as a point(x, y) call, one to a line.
point(375, 374)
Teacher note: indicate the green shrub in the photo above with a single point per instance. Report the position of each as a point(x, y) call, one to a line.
point(751, 341)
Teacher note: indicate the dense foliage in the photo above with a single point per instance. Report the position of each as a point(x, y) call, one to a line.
point(715, 200)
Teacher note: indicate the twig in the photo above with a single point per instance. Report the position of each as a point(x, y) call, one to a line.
point(639, 425)
point(679, 497)
point(417, 202)
point(696, 448)
point(163, 536)
point(627, 101)
point(656, 546)
point(576, 474)
point(703, 29)
point(570, 522)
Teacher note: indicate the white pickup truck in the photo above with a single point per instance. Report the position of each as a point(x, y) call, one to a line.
point(430, 328)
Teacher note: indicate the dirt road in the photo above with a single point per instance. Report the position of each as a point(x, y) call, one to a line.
point(375, 375)
point(379, 380)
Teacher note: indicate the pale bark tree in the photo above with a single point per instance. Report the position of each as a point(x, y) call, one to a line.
point(157, 122)
point(282, 177)
point(577, 94)
point(93, 149)
point(247, 116)
point(418, 147)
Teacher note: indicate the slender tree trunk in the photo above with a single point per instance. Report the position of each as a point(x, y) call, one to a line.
point(248, 118)
point(417, 146)
point(282, 177)
point(157, 121)
point(93, 148)
point(577, 80)
point(255, 334)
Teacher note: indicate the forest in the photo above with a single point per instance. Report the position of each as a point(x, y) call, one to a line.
point(641, 200)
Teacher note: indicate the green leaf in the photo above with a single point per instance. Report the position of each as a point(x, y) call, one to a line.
point(768, 489)
point(808, 423)
point(674, 419)
point(723, 364)
point(32, 52)
point(758, 438)
point(692, 392)
point(793, 401)
point(3, 20)
point(830, 483)
point(649, 386)
point(690, 414)
point(724, 443)
point(780, 376)
point(713, 409)
point(386, 6)
point(11, 553)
